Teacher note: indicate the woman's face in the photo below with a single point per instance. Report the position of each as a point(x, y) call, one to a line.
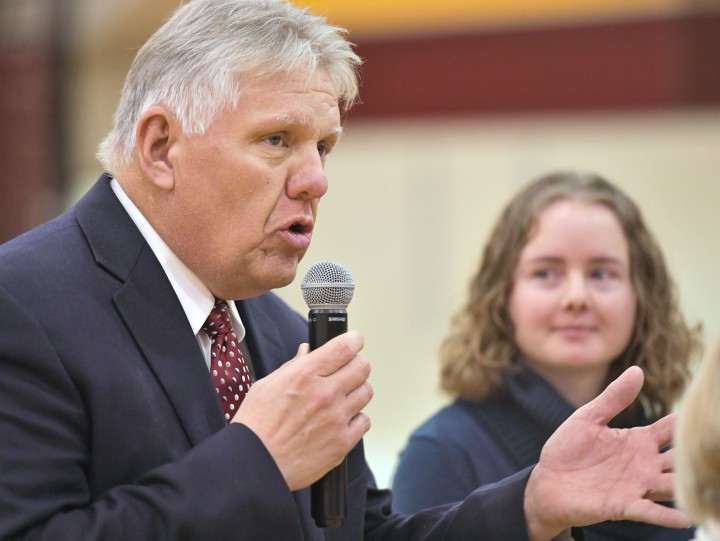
point(573, 303)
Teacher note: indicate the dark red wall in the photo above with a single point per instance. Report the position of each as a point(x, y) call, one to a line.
point(662, 62)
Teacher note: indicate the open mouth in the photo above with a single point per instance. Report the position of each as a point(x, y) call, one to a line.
point(298, 235)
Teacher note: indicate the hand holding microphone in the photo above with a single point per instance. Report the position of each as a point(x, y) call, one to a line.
point(328, 289)
point(308, 412)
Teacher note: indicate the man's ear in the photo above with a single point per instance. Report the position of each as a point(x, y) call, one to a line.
point(155, 133)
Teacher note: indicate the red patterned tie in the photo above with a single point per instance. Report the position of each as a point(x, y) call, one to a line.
point(228, 368)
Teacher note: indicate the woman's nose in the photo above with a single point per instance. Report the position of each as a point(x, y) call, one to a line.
point(575, 294)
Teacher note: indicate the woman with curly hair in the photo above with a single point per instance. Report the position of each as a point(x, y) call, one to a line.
point(572, 289)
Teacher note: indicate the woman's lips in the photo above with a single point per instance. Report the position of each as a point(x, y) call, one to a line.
point(574, 330)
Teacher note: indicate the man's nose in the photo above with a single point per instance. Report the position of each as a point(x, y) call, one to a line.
point(307, 178)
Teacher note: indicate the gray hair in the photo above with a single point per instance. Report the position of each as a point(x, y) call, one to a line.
point(190, 65)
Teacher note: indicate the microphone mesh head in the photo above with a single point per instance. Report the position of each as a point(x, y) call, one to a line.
point(327, 285)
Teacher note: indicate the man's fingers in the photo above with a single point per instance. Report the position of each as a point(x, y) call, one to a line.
point(663, 430)
point(336, 353)
point(667, 460)
point(359, 397)
point(663, 488)
point(339, 370)
point(358, 426)
point(655, 513)
point(304, 349)
point(616, 397)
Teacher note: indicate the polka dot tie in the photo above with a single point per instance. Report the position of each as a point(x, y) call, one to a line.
point(228, 368)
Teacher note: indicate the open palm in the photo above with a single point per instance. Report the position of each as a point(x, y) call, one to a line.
point(589, 472)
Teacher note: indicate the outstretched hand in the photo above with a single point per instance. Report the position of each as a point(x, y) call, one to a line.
point(589, 472)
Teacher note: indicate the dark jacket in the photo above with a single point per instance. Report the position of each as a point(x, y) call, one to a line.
point(469, 444)
point(110, 428)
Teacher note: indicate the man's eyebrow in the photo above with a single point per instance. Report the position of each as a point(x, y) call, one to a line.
point(285, 118)
point(289, 120)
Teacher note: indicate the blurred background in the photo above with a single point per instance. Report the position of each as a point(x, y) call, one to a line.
point(463, 102)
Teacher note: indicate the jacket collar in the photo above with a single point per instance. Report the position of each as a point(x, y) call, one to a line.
point(149, 307)
point(262, 337)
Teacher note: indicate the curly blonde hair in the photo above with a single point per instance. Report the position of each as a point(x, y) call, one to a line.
point(697, 444)
point(481, 345)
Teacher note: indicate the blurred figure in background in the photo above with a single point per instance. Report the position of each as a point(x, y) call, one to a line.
point(572, 289)
point(697, 449)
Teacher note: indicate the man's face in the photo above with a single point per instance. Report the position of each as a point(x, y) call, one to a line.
point(246, 192)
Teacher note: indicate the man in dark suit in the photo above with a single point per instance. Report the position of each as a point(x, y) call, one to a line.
point(112, 422)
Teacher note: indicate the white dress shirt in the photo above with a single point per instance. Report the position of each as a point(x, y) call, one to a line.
point(196, 299)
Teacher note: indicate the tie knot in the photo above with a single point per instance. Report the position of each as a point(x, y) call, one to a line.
point(218, 322)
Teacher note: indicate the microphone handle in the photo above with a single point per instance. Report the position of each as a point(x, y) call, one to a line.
point(329, 493)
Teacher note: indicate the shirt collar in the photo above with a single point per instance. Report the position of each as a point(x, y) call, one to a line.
point(194, 296)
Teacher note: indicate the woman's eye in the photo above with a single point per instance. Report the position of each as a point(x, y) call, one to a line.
point(600, 274)
point(543, 274)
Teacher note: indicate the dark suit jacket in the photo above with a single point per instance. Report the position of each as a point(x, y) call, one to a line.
point(110, 428)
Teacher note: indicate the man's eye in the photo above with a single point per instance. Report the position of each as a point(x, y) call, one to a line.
point(275, 140)
point(323, 149)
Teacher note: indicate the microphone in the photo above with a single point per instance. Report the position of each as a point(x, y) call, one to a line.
point(327, 289)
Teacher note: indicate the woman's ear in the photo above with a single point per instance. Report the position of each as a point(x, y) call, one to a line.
point(155, 133)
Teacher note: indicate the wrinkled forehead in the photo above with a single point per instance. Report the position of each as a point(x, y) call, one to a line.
point(305, 75)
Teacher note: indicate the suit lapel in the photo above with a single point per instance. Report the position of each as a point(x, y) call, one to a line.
point(150, 309)
point(262, 337)
point(153, 314)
